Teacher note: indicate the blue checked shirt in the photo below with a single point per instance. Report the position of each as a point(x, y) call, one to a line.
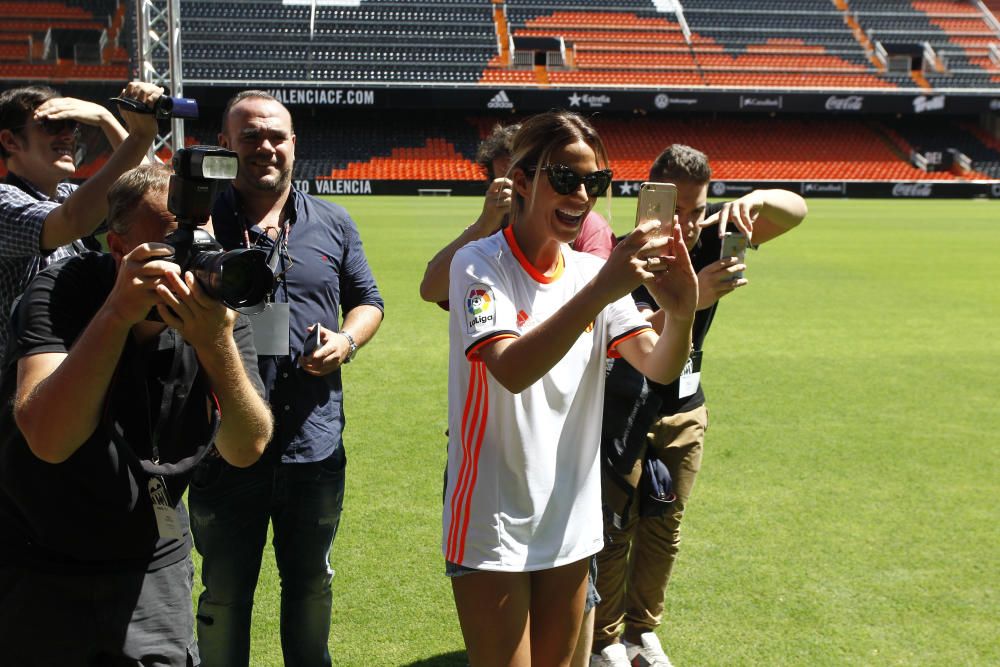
point(21, 256)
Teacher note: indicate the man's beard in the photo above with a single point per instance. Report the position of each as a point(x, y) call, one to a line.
point(279, 184)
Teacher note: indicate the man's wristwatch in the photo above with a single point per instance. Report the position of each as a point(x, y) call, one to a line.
point(354, 347)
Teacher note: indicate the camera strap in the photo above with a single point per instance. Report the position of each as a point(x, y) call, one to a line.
point(278, 247)
point(166, 400)
point(176, 385)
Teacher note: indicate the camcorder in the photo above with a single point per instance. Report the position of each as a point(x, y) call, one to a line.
point(164, 107)
point(239, 278)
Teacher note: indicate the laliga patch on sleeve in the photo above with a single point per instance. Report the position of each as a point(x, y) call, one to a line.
point(480, 308)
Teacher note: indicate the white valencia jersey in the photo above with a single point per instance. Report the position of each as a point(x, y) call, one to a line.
point(523, 489)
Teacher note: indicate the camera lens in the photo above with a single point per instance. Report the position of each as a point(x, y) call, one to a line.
point(238, 278)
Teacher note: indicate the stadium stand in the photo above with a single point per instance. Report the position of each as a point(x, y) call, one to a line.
point(432, 147)
point(957, 37)
point(950, 137)
point(711, 43)
point(377, 42)
point(61, 40)
point(796, 45)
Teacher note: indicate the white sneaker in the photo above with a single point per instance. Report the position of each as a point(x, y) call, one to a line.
point(613, 655)
point(647, 654)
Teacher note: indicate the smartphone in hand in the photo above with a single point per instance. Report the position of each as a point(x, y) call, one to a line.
point(657, 201)
point(312, 341)
point(734, 244)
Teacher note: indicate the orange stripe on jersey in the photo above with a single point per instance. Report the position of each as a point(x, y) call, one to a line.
point(477, 444)
point(473, 352)
point(473, 428)
point(613, 345)
point(522, 259)
point(471, 400)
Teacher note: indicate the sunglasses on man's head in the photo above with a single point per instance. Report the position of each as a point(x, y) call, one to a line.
point(565, 181)
point(53, 127)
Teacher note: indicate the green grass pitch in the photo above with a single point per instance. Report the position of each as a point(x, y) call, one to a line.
point(847, 509)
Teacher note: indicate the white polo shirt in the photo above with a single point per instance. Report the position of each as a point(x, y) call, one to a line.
point(523, 490)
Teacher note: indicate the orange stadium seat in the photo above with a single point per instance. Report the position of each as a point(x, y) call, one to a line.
point(437, 159)
point(938, 7)
point(841, 149)
point(16, 51)
point(42, 10)
point(609, 20)
point(39, 26)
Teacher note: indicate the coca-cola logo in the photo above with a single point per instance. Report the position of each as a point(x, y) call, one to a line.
point(924, 103)
point(912, 190)
point(849, 103)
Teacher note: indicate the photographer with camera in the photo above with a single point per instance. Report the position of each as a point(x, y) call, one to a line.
point(298, 486)
point(42, 219)
point(106, 413)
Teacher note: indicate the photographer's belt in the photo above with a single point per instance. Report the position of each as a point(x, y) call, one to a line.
point(691, 376)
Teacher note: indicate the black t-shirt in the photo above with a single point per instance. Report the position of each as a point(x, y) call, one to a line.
point(705, 251)
point(92, 512)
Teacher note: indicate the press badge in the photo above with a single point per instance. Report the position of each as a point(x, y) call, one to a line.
point(690, 376)
point(168, 524)
point(270, 329)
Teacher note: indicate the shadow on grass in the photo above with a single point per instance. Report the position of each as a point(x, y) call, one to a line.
point(456, 659)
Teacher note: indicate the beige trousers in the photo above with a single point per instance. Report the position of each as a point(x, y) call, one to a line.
point(634, 567)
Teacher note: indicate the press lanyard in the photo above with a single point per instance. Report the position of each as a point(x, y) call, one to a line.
point(286, 232)
point(274, 255)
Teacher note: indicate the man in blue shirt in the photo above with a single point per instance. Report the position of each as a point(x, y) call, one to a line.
point(298, 485)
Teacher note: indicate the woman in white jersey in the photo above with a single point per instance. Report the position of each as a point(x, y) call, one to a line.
point(532, 322)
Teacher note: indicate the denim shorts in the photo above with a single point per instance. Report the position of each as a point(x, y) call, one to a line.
point(452, 570)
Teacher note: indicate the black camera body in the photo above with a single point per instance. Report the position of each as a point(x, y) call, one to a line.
point(239, 278)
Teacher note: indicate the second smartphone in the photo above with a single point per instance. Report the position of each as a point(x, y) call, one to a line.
point(657, 201)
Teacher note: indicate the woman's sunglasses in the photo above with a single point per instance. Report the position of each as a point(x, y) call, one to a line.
point(565, 181)
point(53, 128)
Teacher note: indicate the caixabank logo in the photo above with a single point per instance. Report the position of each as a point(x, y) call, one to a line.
point(480, 308)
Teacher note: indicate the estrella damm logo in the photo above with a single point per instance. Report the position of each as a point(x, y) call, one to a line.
point(480, 308)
